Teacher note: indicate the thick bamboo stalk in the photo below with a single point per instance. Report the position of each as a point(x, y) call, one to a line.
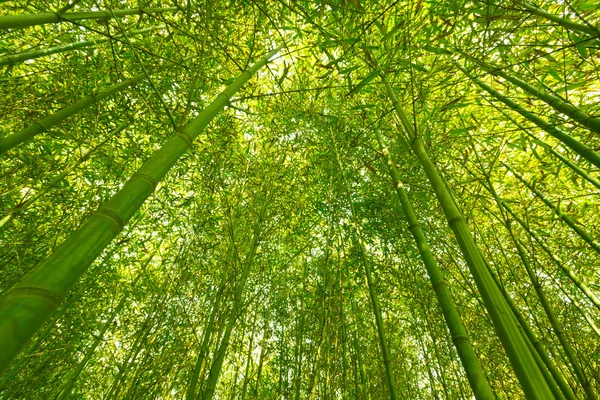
point(460, 338)
point(565, 218)
point(54, 119)
point(522, 360)
point(22, 21)
point(27, 305)
point(12, 59)
point(578, 147)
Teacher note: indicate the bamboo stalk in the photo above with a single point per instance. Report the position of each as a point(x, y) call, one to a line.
point(22, 21)
point(16, 58)
point(528, 372)
point(566, 219)
point(460, 338)
point(215, 370)
point(27, 305)
point(54, 119)
point(549, 149)
point(564, 22)
point(372, 293)
point(564, 107)
point(577, 280)
point(578, 147)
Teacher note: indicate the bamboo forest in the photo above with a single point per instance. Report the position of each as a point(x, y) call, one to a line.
point(289, 200)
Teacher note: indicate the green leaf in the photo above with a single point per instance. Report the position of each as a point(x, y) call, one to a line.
point(364, 82)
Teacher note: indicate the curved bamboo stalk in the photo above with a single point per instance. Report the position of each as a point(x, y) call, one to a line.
point(27, 305)
point(16, 58)
point(460, 338)
point(522, 360)
point(22, 21)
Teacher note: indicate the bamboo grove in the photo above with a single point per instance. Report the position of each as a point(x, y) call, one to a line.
point(299, 199)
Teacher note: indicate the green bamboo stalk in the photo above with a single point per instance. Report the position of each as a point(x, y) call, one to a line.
point(522, 360)
point(27, 305)
point(564, 107)
point(555, 381)
point(54, 119)
point(556, 327)
point(460, 338)
point(16, 58)
point(22, 21)
point(547, 309)
point(207, 334)
point(575, 303)
point(564, 22)
point(577, 280)
point(567, 220)
point(25, 205)
point(550, 150)
point(578, 147)
point(68, 387)
point(248, 362)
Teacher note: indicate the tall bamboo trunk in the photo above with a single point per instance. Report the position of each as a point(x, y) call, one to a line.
point(519, 354)
point(27, 305)
point(459, 335)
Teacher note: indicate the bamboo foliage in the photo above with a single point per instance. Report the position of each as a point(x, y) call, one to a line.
point(282, 266)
